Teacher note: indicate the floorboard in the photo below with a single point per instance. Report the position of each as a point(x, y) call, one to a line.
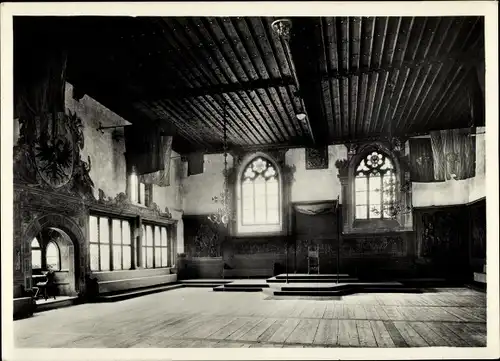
point(198, 317)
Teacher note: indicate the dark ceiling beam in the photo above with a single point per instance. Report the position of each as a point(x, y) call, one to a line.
point(181, 93)
point(305, 52)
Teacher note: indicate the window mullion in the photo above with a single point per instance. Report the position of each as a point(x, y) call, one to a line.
point(253, 198)
point(265, 200)
point(368, 196)
point(99, 243)
point(382, 195)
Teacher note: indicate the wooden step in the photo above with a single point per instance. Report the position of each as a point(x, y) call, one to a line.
point(52, 304)
point(305, 280)
point(312, 276)
point(242, 288)
point(137, 293)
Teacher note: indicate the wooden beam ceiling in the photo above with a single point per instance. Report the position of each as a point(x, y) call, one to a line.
point(359, 77)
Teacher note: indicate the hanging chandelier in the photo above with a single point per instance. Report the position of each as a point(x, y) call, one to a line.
point(223, 213)
point(394, 207)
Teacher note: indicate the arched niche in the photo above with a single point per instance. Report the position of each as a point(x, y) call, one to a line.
point(70, 240)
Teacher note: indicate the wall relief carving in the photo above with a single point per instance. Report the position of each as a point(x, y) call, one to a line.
point(122, 202)
point(343, 167)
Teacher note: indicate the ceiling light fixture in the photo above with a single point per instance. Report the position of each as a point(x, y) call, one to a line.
point(282, 27)
point(301, 116)
point(223, 214)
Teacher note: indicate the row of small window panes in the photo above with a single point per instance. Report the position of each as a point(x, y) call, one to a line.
point(155, 246)
point(101, 258)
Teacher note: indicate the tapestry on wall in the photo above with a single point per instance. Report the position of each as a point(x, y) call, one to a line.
point(317, 158)
point(421, 160)
point(454, 154)
point(206, 242)
point(195, 163)
point(390, 246)
point(478, 230)
point(439, 236)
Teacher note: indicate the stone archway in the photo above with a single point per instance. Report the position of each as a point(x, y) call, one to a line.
point(71, 245)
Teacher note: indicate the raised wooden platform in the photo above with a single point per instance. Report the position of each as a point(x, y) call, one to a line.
point(249, 285)
point(320, 285)
point(58, 302)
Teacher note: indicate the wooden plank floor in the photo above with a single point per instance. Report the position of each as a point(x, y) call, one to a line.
point(198, 317)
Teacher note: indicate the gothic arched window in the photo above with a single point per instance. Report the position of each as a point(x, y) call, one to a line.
point(53, 256)
point(259, 206)
point(375, 180)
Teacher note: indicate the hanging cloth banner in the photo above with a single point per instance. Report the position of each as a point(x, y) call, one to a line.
point(148, 153)
point(454, 153)
point(195, 163)
point(40, 86)
point(316, 208)
point(162, 177)
point(421, 160)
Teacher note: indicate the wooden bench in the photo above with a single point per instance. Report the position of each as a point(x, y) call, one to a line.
point(247, 272)
point(118, 281)
point(252, 265)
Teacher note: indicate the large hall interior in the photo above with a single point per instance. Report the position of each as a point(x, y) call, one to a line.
point(184, 182)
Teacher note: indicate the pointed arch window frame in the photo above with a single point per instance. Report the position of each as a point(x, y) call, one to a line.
point(403, 222)
point(254, 228)
point(374, 167)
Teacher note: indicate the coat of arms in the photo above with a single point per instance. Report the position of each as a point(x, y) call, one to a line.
point(54, 150)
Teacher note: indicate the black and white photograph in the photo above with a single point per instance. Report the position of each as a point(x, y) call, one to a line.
point(226, 179)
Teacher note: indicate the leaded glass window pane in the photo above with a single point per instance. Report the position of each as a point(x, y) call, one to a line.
point(117, 231)
point(374, 186)
point(149, 236)
point(149, 257)
point(117, 257)
point(127, 259)
point(104, 257)
point(157, 236)
point(158, 257)
point(164, 257)
point(94, 257)
point(164, 237)
point(52, 256)
point(126, 232)
point(260, 203)
point(93, 231)
point(103, 230)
